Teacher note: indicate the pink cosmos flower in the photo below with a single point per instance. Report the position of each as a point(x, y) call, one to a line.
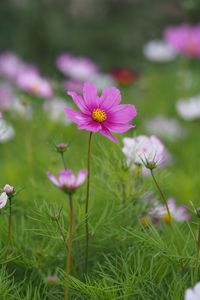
point(31, 81)
point(6, 96)
point(10, 64)
point(67, 181)
point(78, 68)
point(178, 213)
point(184, 39)
point(101, 113)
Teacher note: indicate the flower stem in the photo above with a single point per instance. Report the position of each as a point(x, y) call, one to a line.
point(10, 222)
point(63, 161)
point(162, 194)
point(197, 258)
point(69, 247)
point(87, 204)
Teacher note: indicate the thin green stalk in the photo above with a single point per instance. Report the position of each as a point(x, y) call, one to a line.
point(10, 222)
point(69, 247)
point(161, 194)
point(197, 259)
point(63, 161)
point(87, 204)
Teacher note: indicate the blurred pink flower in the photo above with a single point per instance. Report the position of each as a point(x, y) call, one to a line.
point(185, 39)
point(101, 113)
point(67, 181)
point(78, 68)
point(29, 80)
point(10, 64)
point(178, 213)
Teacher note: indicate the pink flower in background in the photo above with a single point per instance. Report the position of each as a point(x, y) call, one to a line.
point(10, 64)
point(184, 39)
point(78, 68)
point(29, 80)
point(73, 85)
point(178, 212)
point(101, 113)
point(67, 181)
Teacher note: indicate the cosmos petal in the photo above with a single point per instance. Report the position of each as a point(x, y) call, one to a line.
point(108, 134)
point(110, 97)
point(122, 113)
point(90, 95)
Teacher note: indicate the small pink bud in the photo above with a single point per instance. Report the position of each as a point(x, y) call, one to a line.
point(52, 279)
point(9, 189)
point(61, 148)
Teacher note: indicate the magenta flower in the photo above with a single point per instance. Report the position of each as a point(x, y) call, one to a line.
point(31, 81)
point(67, 181)
point(184, 39)
point(101, 113)
point(10, 64)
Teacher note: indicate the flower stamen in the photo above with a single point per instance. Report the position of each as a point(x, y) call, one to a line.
point(99, 115)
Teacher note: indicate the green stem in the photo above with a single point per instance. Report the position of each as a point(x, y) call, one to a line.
point(69, 247)
point(10, 222)
point(161, 194)
point(197, 259)
point(63, 161)
point(87, 204)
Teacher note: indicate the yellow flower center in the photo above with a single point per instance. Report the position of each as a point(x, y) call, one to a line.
point(99, 115)
point(166, 218)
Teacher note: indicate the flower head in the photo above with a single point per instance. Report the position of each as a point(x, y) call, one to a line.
point(9, 190)
point(52, 279)
point(177, 213)
point(31, 81)
point(145, 150)
point(101, 113)
point(124, 75)
point(67, 181)
point(185, 39)
point(189, 109)
point(193, 294)
point(3, 199)
point(10, 64)
point(7, 132)
point(79, 68)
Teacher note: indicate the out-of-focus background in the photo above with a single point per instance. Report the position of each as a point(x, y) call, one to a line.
point(112, 32)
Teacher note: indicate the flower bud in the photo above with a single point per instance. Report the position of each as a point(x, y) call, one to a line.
point(52, 279)
point(55, 217)
point(61, 148)
point(9, 190)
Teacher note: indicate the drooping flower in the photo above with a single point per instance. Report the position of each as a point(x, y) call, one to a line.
point(67, 181)
point(78, 68)
point(124, 75)
point(146, 149)
point(159, 51)
point(193, 293)
point(101, 113)
point(177, 212)
point(55, 110)
point(7, 132)
point(165, 127)
point(184, 38)
point(32, 82)
point(3, 199)
point(189, 109)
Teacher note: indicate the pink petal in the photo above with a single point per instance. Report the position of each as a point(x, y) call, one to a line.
point(79, 101)
point(53, 179)
point(107, 133)
point(90, 95)
point(76, 116)
point(117, 127)
point(91, 126)
point(67, 178)
point(122, 113)
point(81, 176)
point(110, 97)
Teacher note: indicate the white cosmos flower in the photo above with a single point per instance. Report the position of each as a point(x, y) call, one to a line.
point(102, 81)
point(193, 294)
point(165, 127)
point(3, 199)
point(158, 51)
point(189, 109)
point(55, 110)
point(7, 132)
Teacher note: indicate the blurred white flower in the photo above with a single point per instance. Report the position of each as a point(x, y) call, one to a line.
point(158, 51)
point(142, 149)
point(7, 132)
point(165, 127)
point(189, 109)
point(102, 81)
point(193, 294)
point(55, 110)
point(3, 199)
